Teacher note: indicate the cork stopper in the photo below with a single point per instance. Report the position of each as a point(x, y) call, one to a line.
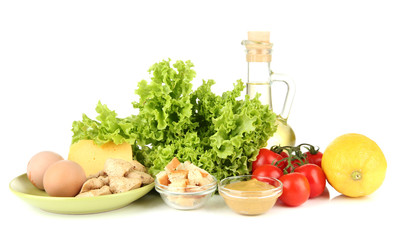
point(258, 36)
point(258, 46)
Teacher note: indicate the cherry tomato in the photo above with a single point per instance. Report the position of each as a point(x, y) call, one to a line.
point(314, 158)
point(267, 171)
point(265, 156)
point(296, 189)
point(315, 176)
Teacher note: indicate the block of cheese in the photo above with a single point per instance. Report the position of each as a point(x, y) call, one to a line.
point(91, 157)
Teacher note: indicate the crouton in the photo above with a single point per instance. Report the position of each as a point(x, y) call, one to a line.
point(172, 165)
point(182, 166)
point(195, 177)
point(163, 178)
point(185, 166)
point(178, 185)
point(177, 175)
point(191, 167)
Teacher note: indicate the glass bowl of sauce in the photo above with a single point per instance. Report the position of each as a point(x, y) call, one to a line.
point(250, 196)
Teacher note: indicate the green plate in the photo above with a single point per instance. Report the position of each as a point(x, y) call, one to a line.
point(23, 188)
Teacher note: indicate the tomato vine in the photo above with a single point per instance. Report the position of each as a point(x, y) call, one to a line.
point(295, 155)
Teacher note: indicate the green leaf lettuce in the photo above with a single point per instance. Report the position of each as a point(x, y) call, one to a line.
point(220, 134)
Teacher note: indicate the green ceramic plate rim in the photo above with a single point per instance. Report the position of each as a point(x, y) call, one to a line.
point(147, 188)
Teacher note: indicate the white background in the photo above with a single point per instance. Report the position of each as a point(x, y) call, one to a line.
point(58, 58)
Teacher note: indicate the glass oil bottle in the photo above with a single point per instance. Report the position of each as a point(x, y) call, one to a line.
point(260, 79)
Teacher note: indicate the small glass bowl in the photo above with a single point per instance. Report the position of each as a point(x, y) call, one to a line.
point(186, 198)
point(250, 202)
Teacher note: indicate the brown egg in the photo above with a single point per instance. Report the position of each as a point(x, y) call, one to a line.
point(38, 165)
point(64, 179)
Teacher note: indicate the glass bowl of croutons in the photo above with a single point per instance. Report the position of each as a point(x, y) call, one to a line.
point(185, 186)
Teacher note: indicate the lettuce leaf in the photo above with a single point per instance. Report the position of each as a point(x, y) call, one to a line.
point(220, 134)
point(107, 128)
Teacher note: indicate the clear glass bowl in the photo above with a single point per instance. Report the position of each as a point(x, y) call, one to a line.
point(186, 198)
point(250, 202)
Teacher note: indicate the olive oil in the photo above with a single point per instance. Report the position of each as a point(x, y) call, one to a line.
point(284, 136)
point(264, 89)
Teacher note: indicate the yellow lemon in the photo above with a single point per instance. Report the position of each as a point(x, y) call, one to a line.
point(354, 165)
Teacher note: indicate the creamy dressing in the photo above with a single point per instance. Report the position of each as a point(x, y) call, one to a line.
point(250, 185)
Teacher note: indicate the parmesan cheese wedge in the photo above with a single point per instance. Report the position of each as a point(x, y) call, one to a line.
point(91, 157)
